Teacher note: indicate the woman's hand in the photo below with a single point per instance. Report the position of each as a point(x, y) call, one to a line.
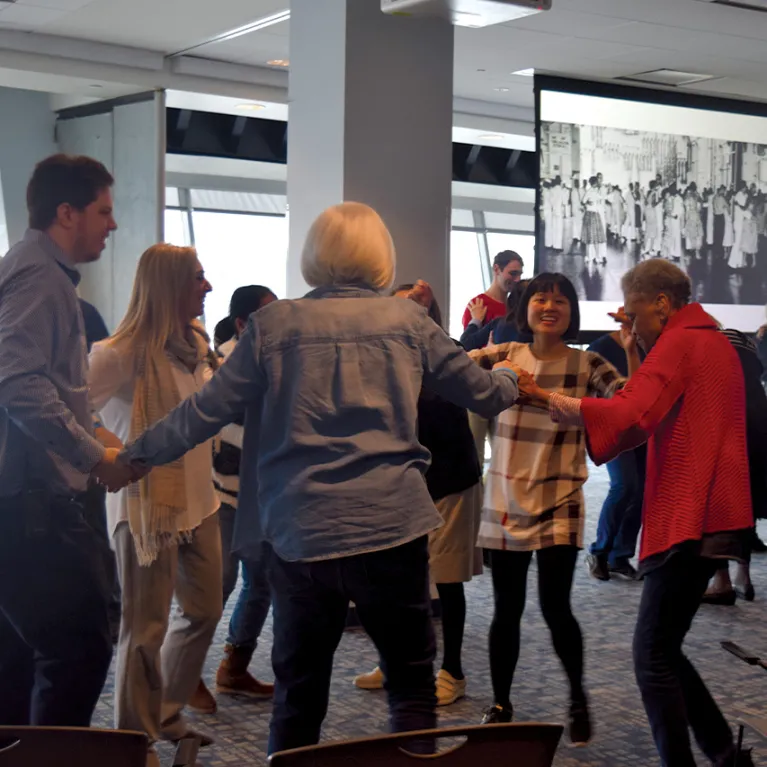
point(529, 391)
point(422, 294)
point(478, 310)
point(628, 339)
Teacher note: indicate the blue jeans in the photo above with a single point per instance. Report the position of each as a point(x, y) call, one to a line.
point(252, 608)
point(675, 698)
point(621, 515)
point(390, 590)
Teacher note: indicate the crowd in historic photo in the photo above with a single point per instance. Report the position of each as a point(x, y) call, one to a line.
point(610, 198)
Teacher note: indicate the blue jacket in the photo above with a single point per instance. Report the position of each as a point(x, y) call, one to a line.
point(329, 384)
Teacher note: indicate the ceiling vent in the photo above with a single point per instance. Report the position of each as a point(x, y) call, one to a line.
point(669, 77)
point(747, 5)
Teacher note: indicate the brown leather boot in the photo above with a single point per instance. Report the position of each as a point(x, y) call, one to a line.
point(233, 677)
point(202, 701)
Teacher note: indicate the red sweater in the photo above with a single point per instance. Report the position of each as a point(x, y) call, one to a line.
point(688, 398)
point(495, 309)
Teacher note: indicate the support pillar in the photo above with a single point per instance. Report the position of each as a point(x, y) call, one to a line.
point(371, 112)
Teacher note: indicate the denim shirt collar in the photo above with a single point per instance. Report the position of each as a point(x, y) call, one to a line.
point(51, 249)
point(359, 290)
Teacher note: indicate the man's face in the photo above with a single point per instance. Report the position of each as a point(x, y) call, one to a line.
point(647, 317)
point(91, 227)
point(508, 276)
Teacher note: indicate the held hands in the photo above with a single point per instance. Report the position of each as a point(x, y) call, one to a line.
point(114, 473)
point(529, 392)
point(478, 310)
point(628, 339)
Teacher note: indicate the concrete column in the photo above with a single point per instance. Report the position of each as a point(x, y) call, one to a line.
point(128, 136)
point(371, 109)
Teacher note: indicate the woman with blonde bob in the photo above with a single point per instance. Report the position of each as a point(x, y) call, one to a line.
point(332, 470)
point(164, 528)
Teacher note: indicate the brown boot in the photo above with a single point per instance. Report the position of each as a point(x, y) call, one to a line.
point(233, 677)
point(202, 701)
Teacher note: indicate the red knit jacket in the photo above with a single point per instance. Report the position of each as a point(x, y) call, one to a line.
point(688, 398)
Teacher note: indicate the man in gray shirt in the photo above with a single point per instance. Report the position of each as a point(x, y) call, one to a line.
point(55, 646)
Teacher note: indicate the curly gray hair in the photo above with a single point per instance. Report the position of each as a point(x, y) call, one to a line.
point(651, 278)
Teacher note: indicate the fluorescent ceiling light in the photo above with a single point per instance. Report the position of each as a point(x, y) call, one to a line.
point(524, 72)
point(489, 137)
point(501, 90)
point(278, 63)
point(263, 23)
point(251, 107)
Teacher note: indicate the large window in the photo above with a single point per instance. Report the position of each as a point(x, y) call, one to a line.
point(242, 239)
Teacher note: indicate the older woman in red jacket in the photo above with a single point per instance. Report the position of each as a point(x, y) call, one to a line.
point(687, 401)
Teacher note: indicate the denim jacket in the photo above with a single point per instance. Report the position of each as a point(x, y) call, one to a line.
point(329, 385)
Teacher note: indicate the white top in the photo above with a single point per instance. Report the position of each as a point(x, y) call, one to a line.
point(111, 387)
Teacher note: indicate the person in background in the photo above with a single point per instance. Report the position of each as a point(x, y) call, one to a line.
point(621, 516)
point(722, 590)
point(501, 330)
point(252, 607)
point(687, 402)
point(224, 332)
point(329, 385)
point(534, 501)
point(55, 645)
point(454, 480)
point(508, 267)
point(165, 528)
point(94, 506)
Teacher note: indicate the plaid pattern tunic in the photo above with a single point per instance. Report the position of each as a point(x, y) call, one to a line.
point(534, 489)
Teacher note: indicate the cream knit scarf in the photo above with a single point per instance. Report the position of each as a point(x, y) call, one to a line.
point(155, 502)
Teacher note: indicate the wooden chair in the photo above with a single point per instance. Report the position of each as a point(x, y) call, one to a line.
point(498, 745)
point(71, 747)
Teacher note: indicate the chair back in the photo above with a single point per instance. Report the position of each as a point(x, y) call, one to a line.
point(495, 745)
point(71, 747)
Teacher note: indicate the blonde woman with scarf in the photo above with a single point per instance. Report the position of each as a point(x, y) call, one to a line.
point(164, 529)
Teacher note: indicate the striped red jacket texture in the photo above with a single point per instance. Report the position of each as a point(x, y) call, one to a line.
point(689, 399)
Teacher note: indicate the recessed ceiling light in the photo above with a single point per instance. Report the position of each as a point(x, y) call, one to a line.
point(524, 72)
point(489, 137)
point(96, 85)
point(278, 63)
point(501, 90)
point(251, 107)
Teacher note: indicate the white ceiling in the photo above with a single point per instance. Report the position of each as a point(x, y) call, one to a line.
point(598, 39)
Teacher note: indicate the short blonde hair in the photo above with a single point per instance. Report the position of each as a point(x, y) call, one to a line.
point(656, 276)
point(348, 244)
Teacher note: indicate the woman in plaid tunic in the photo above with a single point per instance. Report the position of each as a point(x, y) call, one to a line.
point(534, 492)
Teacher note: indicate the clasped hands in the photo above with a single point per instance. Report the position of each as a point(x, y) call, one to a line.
point(530, 393)
point(114, 471)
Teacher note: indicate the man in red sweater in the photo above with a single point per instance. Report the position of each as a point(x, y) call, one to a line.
point(687, 401)
point(507, 270)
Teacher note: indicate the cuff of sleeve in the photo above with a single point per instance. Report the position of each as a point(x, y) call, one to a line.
point(91, 454)
point(476, 323)
point(506, 371)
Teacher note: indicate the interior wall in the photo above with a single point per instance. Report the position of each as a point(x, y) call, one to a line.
point(129, 140)
point(27, 135)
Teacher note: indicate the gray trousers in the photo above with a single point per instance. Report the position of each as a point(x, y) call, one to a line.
point(159, 656)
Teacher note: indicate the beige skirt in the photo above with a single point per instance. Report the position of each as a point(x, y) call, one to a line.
point(453, 553)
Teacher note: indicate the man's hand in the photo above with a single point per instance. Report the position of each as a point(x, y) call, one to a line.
point(114, 473)
point(478, 310)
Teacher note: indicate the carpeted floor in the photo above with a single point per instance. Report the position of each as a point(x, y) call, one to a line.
point(607, 613)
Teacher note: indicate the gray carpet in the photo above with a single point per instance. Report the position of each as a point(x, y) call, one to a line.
point(606, 611)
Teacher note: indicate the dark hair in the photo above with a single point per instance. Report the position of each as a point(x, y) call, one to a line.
point(64, 180)
point(224, 332)
point(434, 310)
point(548, 282)
point(505, 257)
point(513, 299)
point(247, 300)
point(593, 180)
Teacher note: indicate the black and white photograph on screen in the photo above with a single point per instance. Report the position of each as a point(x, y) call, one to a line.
point(612, 197)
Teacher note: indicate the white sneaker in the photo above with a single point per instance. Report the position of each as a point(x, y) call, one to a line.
point(372, 681)
point(449, 689)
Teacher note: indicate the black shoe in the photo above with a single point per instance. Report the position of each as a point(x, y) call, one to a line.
point(498, 715)
point(624, 570)
point(743, 759)
point(598, 567)
point(579, 724)
point(745, 592)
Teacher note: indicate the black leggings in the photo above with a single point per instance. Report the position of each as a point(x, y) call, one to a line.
point(556, 568)
point(453, 607)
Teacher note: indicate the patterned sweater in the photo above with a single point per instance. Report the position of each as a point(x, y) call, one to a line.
point(534, 489)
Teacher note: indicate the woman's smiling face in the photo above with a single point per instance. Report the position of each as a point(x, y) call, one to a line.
point(549, 313)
